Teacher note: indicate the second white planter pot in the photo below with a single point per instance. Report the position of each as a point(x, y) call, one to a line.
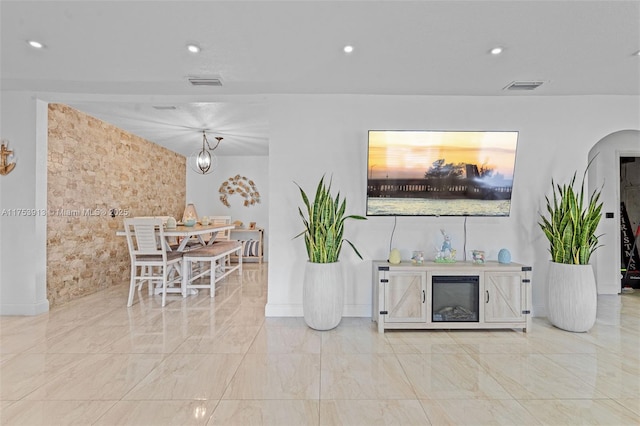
point(323, 295)
point(572, 297)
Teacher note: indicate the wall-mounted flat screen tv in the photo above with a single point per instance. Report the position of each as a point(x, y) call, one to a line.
point(440, 173)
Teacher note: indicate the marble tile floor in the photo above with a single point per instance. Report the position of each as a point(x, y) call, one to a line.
point(203, 361)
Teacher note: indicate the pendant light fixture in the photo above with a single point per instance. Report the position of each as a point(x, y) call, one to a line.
point(204, 161)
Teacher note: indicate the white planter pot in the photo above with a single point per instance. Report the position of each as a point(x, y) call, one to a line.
point(323, 295)
point(572, 297)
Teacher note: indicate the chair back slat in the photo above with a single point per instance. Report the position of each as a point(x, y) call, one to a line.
point(150, 262)
point(222, 220)
point(144, 236)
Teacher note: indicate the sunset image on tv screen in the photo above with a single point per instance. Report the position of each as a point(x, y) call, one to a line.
point(441, 173)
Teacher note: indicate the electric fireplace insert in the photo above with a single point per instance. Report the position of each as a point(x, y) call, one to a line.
point(455, 298)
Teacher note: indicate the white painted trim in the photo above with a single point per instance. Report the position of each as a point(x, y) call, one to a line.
point(609, 307)
point(539, 311)
point(25, 309)
point(605, 172)
point(41, 173)
point(359, 311)
point(273, 310)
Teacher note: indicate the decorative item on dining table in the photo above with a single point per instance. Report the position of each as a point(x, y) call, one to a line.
point(171, 223)
point(190, 216)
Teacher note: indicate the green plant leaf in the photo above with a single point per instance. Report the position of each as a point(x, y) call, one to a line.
point(324, 224)
point(570, 226)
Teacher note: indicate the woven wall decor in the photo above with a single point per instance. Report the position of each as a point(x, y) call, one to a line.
point(242, 186)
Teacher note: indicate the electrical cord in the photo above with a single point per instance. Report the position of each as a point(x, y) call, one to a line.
point(464, 244)
point(395, 221)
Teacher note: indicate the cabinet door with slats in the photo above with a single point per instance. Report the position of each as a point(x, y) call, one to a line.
point(504, 297)
point(405, 296)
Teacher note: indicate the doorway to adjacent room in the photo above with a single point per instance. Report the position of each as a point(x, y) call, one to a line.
point(630, 221)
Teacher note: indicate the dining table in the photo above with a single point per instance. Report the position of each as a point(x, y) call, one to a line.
point(204, 235)
point(184, 233)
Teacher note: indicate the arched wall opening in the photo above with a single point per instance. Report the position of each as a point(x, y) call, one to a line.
point(605, 172)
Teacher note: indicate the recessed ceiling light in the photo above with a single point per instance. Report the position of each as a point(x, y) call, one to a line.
point(35, 44)
point(193, 48)
point(348, 49)
point(496, 50)
point(637, 53)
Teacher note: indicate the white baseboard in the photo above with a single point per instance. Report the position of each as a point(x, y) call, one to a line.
point(273, 310)
point(25, 309)
point(539, 311)
point(358, 311)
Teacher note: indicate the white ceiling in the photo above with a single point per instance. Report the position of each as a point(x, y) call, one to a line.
point(116, 59)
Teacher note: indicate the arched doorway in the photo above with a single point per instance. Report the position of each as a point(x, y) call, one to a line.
point(605, 172)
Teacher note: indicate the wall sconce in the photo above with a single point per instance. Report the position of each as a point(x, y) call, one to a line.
point(5, 166)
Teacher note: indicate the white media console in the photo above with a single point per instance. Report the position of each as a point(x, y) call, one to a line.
point(461, 295)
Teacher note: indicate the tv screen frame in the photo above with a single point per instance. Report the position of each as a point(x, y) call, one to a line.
point(440, 172)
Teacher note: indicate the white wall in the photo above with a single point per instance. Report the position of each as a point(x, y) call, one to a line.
point(202, 190)
point(313, 135)
point(23, 288)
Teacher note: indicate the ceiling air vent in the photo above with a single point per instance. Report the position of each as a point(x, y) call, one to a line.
point(523, 85)
point(209, 81)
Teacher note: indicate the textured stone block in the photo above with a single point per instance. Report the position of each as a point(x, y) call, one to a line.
point(93, 167)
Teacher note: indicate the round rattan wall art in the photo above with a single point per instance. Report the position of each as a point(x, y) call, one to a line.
point(242, 186)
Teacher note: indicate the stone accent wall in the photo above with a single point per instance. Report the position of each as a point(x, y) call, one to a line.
point(94, 167)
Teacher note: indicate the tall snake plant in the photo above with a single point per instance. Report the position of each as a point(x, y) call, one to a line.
point(571, 225)
point(324, 224)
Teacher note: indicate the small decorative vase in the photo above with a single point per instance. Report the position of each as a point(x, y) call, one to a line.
point(572, 297)
point(171, 223)
point(504, 256)
point(478, 257)
point(323, 295)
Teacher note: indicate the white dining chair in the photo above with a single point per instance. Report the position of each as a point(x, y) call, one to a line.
point(150, 260)
point(223, 235)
